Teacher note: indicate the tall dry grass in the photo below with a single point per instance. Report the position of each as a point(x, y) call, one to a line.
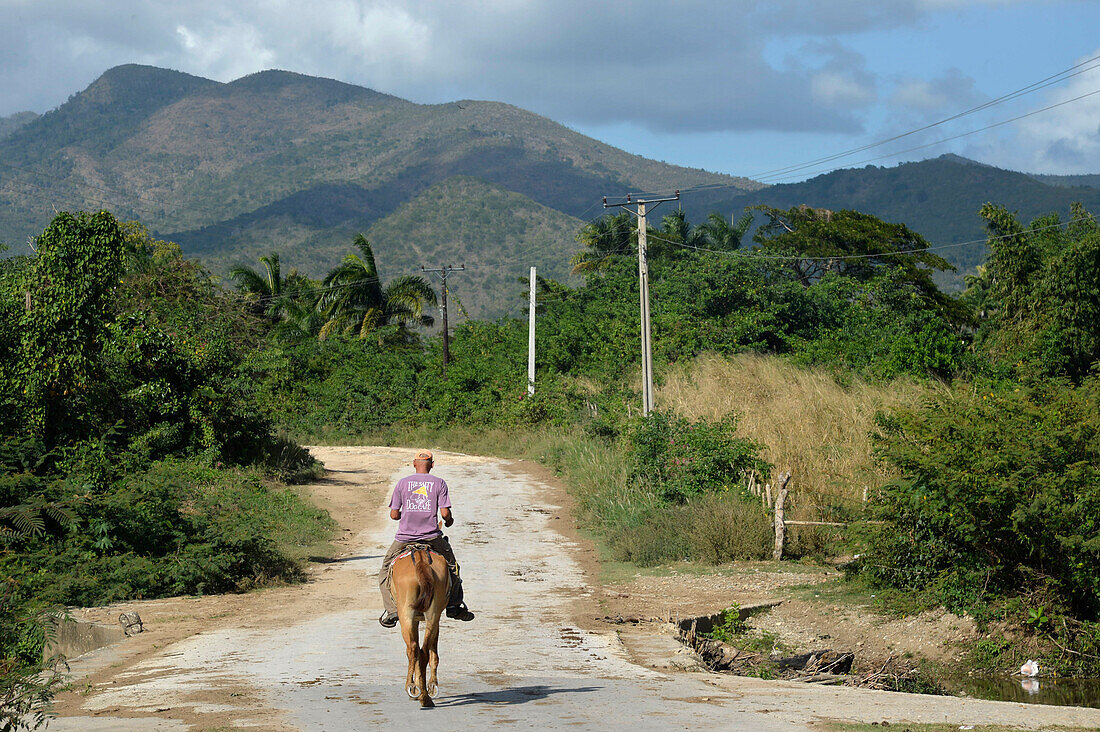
point(808, 423)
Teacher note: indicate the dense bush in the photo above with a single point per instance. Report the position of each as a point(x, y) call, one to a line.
point(341, 388)
point(133, 460)
point(175, 528)
point(881, 328)
point(685, 459)
point(880, 325)
point(1001, 496)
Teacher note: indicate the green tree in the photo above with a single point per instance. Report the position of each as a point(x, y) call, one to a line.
point(266, 287)
point(355, 302)
point(72, 283)
point(724, 235)
point(1039, 293)
point(858, 246)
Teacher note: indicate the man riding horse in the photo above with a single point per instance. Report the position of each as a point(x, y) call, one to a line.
point(415, 501)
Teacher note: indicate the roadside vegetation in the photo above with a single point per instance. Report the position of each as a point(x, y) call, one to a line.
point(133, 461)
point(150, 419)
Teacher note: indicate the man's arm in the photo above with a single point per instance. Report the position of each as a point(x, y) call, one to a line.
point(448, 519)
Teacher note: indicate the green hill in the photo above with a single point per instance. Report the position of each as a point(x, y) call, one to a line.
point(939, 198)
point(496, 233)
point(1069, 181)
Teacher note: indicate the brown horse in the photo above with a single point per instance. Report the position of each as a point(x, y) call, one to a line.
point(421, 583)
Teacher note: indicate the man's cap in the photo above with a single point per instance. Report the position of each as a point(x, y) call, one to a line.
point(423, 455)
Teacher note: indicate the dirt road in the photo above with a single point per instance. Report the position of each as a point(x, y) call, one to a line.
point(313, 657)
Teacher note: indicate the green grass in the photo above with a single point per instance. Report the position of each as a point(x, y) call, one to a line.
point(734, 631)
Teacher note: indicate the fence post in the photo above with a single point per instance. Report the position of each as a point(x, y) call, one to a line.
point(780, 525)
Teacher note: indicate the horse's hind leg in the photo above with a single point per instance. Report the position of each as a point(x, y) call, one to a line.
point(431, 645)
point(425, 697)
point(410, 632)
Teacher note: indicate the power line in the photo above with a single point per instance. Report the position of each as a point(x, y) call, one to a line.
point(961, 135)
point(783, 173)
point(1041, 84)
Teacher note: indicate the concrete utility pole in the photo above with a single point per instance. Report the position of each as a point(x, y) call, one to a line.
point(443, 272)
point(643, 286)
point(531, 338)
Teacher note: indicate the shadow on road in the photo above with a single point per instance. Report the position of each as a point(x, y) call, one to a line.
point(334, 560)
point(516, 695)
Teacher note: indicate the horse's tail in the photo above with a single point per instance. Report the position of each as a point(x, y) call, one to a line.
point(424, 580)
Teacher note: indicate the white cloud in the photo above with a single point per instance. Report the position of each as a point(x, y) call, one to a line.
point(224, 51)
point(1065, 139)
point(951, 92)
point(837, 90)
point(697, 65)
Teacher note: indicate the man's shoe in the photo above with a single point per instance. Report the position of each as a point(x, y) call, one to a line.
point(388, 619)
point(460, 612)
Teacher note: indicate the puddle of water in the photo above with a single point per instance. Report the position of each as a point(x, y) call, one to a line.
point(1065, 692)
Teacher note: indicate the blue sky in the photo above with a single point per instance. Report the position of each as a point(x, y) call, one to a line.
point(739, 86)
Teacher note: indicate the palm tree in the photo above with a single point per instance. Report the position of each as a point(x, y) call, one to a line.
point(300, 318)
point(605, 237)
point(675, 231)
point(266, 287)
point(717, 233)
point(354, 302)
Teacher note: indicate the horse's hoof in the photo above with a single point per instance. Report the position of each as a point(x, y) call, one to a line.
point(426, 703)
point(413, 691)
point(433, 691)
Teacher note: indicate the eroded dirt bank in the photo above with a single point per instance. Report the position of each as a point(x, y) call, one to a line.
point(313, 656)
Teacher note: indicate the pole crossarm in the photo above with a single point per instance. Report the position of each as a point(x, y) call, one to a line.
point(654, 202)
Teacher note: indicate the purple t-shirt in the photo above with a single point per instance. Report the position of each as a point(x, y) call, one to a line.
point(419, 497)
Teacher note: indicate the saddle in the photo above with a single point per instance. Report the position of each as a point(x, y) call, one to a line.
point(410, 549)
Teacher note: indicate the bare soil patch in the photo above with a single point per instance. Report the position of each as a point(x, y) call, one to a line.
point(799, 624)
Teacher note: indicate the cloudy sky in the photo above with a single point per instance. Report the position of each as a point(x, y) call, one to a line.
point(748, 87)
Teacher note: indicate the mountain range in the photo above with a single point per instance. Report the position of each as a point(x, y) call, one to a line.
point(280, 161)
point(298, 164)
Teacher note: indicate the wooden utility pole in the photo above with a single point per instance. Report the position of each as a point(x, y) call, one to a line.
point(531, 338)
point(443, 272)
point(780, 524)
point(643, 287)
